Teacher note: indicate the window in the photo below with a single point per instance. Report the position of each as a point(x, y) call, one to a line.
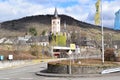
point(53, 22)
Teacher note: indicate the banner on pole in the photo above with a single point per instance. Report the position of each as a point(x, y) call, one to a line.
point(97, 15)
point(117, 20)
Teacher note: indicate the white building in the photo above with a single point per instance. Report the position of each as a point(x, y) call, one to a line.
point(55, 23)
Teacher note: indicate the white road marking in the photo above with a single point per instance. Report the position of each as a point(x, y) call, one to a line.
point(26, 78)
point(4, 78)
point(52, 78)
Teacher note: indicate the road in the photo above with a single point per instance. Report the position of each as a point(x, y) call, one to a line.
point(28, 73)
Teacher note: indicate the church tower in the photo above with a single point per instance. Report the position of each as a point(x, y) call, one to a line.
point(55, 23)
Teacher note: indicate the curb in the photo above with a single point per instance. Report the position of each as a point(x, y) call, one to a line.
point(41, 73)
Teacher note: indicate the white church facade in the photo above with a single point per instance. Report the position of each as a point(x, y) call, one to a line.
point(55, 23)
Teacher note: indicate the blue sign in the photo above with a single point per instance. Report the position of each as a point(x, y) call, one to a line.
point(1, 57)
point(117, 20)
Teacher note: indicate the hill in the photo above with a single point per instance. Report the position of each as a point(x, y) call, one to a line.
point(43, 22)
point(21, 24)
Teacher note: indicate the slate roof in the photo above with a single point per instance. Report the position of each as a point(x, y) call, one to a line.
point(38, 39)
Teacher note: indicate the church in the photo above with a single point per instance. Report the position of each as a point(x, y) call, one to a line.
point(55, 27)
point(58, 37)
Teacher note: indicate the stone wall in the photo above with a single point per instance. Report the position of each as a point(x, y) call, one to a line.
point(61, 69)
point(64, 69)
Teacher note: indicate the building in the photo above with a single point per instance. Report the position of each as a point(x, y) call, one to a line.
point(39, 40)
point(60, 52)
point(55, 23)
point(117, 20)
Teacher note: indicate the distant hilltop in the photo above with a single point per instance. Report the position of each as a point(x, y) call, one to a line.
point(21, 24)
point(19, 27)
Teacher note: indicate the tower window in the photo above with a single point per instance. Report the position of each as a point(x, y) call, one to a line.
point(53, 22)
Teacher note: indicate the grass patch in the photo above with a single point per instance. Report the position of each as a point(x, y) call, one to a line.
point(86, 62)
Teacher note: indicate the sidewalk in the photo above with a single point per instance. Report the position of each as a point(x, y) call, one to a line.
point(41, 73)
point(11, 64)
point(19, 63)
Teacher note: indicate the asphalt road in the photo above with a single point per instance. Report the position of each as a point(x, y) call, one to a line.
point(28, 73)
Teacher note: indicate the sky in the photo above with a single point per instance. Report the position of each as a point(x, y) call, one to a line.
point(83, 10)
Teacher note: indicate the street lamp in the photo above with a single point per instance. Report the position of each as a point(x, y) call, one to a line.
point(43, 50)
point(70, 52)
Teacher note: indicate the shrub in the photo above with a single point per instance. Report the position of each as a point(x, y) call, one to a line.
point(109, 54)
point(61, 40)
point(34, 50)
point(33, 31)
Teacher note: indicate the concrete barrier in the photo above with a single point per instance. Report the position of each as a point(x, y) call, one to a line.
point(7, 64)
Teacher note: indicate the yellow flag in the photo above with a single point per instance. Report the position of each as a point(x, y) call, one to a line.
point(97, 19)
point(97, 15)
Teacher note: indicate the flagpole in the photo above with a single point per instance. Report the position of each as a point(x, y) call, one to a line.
point(102, 34)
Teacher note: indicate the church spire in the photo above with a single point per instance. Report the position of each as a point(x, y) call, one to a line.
point(56, 13)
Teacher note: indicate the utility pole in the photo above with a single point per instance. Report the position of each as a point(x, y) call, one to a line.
point(102, 34)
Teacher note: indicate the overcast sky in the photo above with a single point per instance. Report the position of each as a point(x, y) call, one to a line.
point(83, 10)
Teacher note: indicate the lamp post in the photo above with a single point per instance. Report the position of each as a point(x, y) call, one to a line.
point(43, 50)
point(70, 52)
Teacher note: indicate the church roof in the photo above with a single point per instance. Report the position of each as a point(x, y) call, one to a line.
point(56, 13)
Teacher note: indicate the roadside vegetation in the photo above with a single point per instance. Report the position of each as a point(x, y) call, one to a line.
point(22, 52)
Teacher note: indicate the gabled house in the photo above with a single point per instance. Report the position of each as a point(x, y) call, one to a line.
point(84, 41)
point(22, 40)
point(6, 40)
point(2, 40)
point(39, 40)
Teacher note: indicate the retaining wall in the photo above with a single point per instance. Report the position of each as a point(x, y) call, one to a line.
point(7, 64)
point(64, 69)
